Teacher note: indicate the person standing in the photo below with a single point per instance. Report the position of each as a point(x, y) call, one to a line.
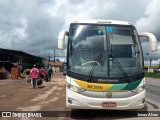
point(50, 72)
point(34, 75)
point(46, 74)
point(42, 73)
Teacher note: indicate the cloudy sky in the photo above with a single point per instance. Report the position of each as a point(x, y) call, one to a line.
point(32, 26)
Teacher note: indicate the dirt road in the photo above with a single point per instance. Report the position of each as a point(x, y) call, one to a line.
point(18, 95)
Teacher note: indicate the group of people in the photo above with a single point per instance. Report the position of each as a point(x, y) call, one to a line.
point(43, 73)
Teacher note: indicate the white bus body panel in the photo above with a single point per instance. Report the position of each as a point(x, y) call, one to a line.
point(83, 102)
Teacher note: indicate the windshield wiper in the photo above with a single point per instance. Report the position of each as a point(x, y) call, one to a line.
point(120, 67)
point(112, 55)
point(93, 68)
point(123, 71)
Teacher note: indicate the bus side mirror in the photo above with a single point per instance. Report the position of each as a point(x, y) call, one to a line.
point(61, 39)
point(152, 39)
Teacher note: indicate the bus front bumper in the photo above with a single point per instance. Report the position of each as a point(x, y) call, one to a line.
point(78, 101)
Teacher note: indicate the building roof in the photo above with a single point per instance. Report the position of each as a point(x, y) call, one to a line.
point(18, 54)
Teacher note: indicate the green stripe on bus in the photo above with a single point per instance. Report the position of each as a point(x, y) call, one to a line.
point(132, 85)
point(126, 86)
point(118, 86)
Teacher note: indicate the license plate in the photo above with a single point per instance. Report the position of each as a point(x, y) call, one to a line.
point(108, 104)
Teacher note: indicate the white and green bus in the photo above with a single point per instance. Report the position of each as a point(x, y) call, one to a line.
point(105, 65)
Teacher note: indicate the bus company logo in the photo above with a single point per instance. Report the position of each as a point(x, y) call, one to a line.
point(108, 80)
point(6, 114)
point(109, 95)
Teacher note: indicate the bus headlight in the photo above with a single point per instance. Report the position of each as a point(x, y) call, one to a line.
point(74, 88)
point(140, 89)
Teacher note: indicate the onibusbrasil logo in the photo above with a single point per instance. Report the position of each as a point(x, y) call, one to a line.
point(21, 114)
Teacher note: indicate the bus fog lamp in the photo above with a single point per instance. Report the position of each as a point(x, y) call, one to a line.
point(70, 101)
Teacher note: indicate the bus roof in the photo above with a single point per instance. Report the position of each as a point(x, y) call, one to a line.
point(103, 21)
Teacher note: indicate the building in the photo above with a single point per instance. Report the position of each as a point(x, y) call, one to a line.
point(14, 58)
point(57, 66)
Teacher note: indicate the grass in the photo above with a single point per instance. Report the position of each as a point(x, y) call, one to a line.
point(152, 75)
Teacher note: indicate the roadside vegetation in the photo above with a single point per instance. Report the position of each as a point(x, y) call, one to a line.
point(152, 75)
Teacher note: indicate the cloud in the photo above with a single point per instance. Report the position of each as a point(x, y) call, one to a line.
point(28, 27)
point(33, 25)
point(150, 21)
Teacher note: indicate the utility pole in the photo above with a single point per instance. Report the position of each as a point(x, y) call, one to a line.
point(54, 56)
point(150, 63)
point(48, 60)
point(148, 60)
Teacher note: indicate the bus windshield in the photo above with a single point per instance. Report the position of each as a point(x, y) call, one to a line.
point(99, 50)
